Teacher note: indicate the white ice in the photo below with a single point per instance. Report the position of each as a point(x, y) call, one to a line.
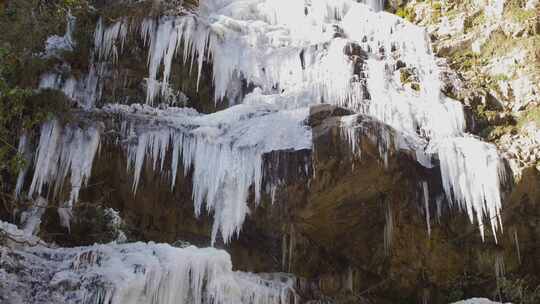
point(224, 149)
point(62, 150)
point(478, 301)
point(134, 273)
point(472, 172)
point(55, 44)
point(340, 52)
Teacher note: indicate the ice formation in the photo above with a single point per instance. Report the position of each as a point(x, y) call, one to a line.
point(109, 41)
point(340, 52)
point(472, 173)
point(13, 237)
point(425, 192)
point(55, 44)
point(478, 301)
point(22, 150)
point(388, 228)
point(31, 217)
point(132, 273)
point(516, 243)
point(85, 91)
point(62, 150)
point(224, 149)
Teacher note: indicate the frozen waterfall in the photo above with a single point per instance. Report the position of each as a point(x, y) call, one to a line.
point(340, 52)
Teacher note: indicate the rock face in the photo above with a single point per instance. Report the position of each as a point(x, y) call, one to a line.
point(351, 224)
point(359, 217)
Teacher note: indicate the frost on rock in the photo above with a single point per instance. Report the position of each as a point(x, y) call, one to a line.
point(115, 223)
point(133, 273)
point(55, 45)
point(63, 151)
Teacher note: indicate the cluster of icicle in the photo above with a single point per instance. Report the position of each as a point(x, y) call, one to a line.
point(224, 149)
point(133, 273)
point(296, 54)
point(61, 152)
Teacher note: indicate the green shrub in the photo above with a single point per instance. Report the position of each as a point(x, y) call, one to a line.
point(406, 13)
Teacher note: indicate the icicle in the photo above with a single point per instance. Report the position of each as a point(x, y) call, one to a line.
point(23, 150)
point(49, 81)
point(109, 41)
point(355, 127)
point(162, 47)
point(388, 228)
point(284, 249)
point(425, 191)
point(65, 214)
point(349, 281)
point(499, 266)
point(63, 150)
point(472, 173)
point(292, 244)
point(438, 202)
point(495, 8)
point(85, 91)
point(425, 296)
point(516, 243)
point(154, 143)
point(335, 51)
point(46, 155)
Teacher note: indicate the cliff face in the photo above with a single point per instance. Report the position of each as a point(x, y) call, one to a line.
point(345, 223)
point(359, 215)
